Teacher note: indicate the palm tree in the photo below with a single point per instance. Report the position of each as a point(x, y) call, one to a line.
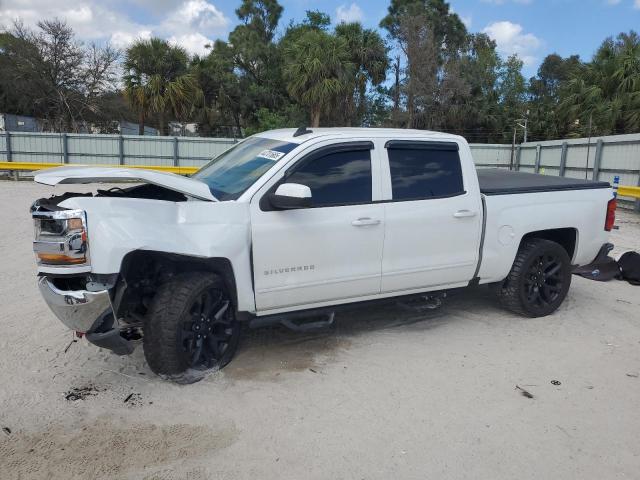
point(607, 89)
point(317, 71)
point(369, 56)
point(157, 80)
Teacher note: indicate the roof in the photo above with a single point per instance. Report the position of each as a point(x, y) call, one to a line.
point(286, 134)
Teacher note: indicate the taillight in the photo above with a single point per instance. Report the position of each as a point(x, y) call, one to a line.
point(611, 215)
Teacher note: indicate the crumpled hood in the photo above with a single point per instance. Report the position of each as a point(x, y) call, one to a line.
point(76, 175)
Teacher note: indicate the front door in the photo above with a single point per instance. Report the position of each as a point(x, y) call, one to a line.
point(330, 252)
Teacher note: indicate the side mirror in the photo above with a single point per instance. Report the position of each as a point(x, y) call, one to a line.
point(291, 195)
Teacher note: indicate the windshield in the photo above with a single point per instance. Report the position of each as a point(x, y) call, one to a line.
point(234, 171)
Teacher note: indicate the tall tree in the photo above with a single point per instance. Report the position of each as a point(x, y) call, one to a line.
point(261, 16)
point(546, 91)
point(49, 74)
point(434, 88)
point(157, 80)
point(318, 72)
point(370, 60)
point(479, 67)
point(431, 37)
point(606, 90)
point(448, 31)
point(257, 59)
point(512, 92)
point(222, 90)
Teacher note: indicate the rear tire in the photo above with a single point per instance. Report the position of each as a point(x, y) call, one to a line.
point(190, 329)
point(539, 279)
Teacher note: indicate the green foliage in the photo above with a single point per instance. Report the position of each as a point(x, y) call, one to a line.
point(317, 71)
point(606, 90)
point(257, 61)
point(511, 93)
point(48, 74)
point(317, 20)
point(441, 78)
point(157, 81)
point(268, 120)
point(546, 93)
point(368, 54)
point(261, 16)
point(221, 88)
point(447, 29)
point(481, 118)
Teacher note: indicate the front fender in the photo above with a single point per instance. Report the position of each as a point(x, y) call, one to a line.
point(119, 226)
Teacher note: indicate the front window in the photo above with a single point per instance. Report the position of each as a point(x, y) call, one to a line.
point(338, 178)
point(231, 173)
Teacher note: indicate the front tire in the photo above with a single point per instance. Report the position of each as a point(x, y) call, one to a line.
point(539, 279)
point(190, 328)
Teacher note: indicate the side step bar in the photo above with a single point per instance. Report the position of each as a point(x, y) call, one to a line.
point(318, 318)
point(297, 321)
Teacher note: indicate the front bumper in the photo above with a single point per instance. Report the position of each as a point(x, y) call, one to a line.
point(80, 310)
point(87, 312)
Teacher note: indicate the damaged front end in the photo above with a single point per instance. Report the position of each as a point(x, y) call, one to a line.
point(81, 300)
point(85, 304)
point(102, 307)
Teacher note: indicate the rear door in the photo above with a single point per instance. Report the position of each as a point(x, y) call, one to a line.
point(433, 216)
point(330, 252)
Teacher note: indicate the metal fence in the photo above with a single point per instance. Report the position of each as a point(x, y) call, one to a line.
point(602, 158)
point(86, 149)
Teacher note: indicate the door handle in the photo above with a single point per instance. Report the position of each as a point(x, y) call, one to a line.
point(464, 214)
point(365, 221)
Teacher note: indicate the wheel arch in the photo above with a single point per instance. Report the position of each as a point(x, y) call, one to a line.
point(147, 265)
point(567, 238)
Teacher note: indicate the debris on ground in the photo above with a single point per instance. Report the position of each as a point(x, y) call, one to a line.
point(633, 375)
point(556, 382)
point(69, 346)
point(524, 392)
point(6, 430)
point(80, 393)
point(133, 399)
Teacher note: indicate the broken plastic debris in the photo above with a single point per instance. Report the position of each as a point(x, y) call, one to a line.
point(524, 392)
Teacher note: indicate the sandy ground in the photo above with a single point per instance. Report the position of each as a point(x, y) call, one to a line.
point(388, 393)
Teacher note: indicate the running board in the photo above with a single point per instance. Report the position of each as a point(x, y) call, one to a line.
point(424, 302)
point(296, 321)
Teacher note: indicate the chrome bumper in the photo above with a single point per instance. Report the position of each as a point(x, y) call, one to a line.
point(79, 310)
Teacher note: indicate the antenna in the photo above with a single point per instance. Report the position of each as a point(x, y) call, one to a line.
point(302, 131)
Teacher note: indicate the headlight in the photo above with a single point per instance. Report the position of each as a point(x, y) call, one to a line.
point(61, 237)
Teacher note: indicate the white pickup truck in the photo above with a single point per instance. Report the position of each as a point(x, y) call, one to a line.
point(292, 224)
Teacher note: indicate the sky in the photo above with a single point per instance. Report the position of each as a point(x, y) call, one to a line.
point(530, 28)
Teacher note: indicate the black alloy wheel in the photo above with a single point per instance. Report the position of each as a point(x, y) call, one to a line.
point(190, 328)
point(539, 279)
point(544, 281)
point(208, 331)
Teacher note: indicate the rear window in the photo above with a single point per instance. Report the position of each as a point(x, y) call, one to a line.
point(423, 172)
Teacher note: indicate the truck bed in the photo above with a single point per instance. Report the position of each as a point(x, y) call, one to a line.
point(494, 181)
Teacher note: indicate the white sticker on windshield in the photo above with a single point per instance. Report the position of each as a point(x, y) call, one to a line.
point(271, 154)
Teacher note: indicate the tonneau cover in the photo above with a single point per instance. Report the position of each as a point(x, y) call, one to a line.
point(494, 181)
